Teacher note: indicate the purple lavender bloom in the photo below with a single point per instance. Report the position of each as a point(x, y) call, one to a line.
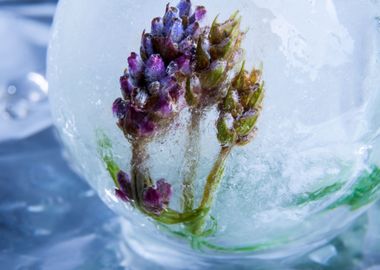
point(124, 192)
point(153, 86)
point(156, 199)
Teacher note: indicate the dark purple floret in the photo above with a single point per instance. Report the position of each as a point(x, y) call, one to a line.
point(146, 48)
point(177, 31)
point(155, 68)
point(164, 107)
point(169, 17)
point(156, 199)
point(157, 26)
point(136, 66)
point(124, 192)
point(127, 87)
point(184, 8)
point(165, 190)
point(120, 108)
point(199, 14)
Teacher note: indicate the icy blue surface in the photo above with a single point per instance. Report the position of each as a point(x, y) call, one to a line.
point(49, 216)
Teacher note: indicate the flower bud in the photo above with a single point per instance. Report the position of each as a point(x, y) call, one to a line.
point(146, 49)
point(243, 102)
point(231, 103)
point(136, 66)
point(184, 7)
point(169, 17)
point(156, 199)
point(155, 68)
point(199, 14)
point(164, 107)
point(193, 91)
point(124, 192)
point(225, 132)
point(127, 88)
point(120, 108)
point(157, 28)
point(219, 32)
point(245, 124)
point(177, 31)
point(214, 76)
point(202, 56)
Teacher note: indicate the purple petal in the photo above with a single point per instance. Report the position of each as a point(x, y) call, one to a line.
point(184, 7)
point(136, 66)
point(176, 31)
point(193, 30)
point(170, 15)
point(146, 49)
point(184, 65)
point(138, 123)
point(152, 200)
point(199, 14)
point(120, 108)
point(157, 27)
point(125, 184)
point(187, 46)
point(170, 87)
point(155, 68)
point(121, 195)
point(164, 107)
point(165, 190)
point(126, 85)
point(146, 128)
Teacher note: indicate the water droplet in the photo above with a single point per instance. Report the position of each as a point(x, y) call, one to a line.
point(11, 90)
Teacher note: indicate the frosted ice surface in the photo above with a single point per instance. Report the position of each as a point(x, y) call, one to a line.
point(317, 119)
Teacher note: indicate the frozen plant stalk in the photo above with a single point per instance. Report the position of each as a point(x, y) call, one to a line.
point(183, 65)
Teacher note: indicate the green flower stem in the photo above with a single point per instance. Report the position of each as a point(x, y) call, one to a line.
point(212, 184)
point(192, 157)
point(140, 174)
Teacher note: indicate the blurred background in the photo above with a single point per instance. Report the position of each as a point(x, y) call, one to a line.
point(49, 216)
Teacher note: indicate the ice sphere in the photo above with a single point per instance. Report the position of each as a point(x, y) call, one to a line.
point(312, 167)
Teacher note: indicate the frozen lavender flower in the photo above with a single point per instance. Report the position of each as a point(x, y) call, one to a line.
point(153, 85)
point(241, 108)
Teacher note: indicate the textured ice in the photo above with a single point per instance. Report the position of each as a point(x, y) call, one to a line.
point(320, 64)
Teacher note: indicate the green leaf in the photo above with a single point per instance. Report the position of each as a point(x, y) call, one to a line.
point(318, 194)
point(363, 192)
